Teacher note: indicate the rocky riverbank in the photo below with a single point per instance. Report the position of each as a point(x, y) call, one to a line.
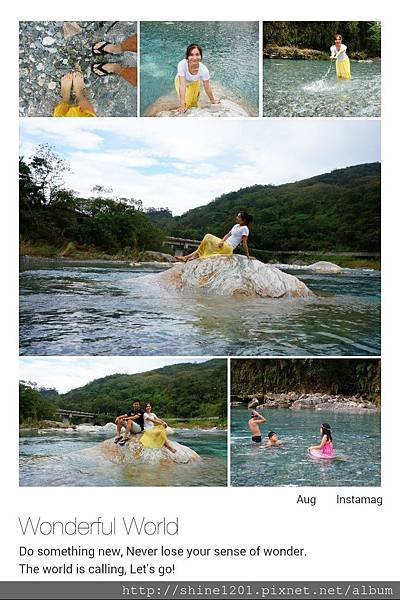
point(310, 401)
point(296, 53)
point(44, 424)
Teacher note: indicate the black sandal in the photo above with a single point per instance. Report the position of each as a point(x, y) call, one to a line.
point(118, 439)
point(100, 67)
point(123, 442)
point(100, 50)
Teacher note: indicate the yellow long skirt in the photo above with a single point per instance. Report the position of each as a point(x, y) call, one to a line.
point(154, 437)
point(63, 109)
point(343, 69)
point(192, 93)
point(209, 247)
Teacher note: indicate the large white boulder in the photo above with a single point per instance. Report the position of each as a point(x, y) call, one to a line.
point(134, 453)
point(323, 266)
point(230, 276)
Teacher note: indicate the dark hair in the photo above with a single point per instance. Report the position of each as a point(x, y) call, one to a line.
point(135, 400)
point(337, 35)
point(147, 404)
point(271, 433)
point(192, 47)
point(326, 430)
point(245, 217)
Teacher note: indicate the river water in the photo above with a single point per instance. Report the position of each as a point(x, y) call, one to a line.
point(67, 308)
point(302, 88)
point(230, 51)
point(58, 458)
point(357, 447)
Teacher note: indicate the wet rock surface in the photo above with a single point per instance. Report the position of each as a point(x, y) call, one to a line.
point(50, 49)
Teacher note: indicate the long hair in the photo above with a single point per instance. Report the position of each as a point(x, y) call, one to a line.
point(245, 217)
point(326, 430)
point(192, 47)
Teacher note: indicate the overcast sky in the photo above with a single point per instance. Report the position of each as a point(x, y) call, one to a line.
point(184, 163)
point(69, 372)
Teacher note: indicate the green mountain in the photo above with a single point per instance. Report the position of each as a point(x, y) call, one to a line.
point(182, 390)
point(337, 211)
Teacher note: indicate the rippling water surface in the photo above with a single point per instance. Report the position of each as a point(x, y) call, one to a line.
point(230, 51)
point(67, 308)
point(303, 88)
point(357, 446)
point(58, 458)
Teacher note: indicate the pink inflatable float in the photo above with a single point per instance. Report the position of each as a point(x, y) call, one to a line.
point(320, 454)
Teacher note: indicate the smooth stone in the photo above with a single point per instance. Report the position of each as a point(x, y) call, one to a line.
point(225, 108)
point(323, 266)
point(52, 85)
point(41, 79)
point(235, 276)
point(48, 41)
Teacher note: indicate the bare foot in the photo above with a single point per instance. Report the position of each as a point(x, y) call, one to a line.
point(66, 87)
point(108, 48)
point(78, 83)
point(181, 258)
point(101, 69)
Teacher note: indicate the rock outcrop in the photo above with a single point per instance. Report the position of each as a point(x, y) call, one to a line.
point(323, 266)
point(134, 453)
point(225, 108)
point(230, 276)
point(312, 401)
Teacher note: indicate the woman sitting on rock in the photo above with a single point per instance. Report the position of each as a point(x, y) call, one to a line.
point(155, 435)
point(215, 246)
point(190, 72)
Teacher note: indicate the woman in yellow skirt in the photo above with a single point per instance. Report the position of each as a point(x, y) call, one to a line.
point(190, 73)
point(72, 83)
point(338, 53)
point(155, 435)
point(212, 245)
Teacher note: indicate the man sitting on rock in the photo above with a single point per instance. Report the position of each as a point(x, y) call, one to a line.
point(254, 425)
point(132, 421)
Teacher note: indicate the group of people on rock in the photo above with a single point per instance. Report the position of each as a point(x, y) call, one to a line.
point(145, 422)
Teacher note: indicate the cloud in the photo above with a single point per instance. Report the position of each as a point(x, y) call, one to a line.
point(184, 163)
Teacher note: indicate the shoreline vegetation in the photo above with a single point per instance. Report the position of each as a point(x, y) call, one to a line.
point(311, 40)
point(335, 214)
point(352, 385)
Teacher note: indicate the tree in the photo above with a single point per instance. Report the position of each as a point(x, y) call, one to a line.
point(48, 169)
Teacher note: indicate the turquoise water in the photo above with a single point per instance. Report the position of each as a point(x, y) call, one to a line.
point(300, 88)
point(55, 458)
point(230, 51)
point(357, 444)
point(67, 308)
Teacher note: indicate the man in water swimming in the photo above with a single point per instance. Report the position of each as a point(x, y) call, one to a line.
point(254, 425)
point(273, 440)
point(133, 422)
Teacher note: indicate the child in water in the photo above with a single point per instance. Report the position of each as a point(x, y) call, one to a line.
point(325, 447)
point(338, 53)
point(273, 440)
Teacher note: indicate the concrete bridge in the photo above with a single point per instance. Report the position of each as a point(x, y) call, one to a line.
point(67, 415)
point(180, 245)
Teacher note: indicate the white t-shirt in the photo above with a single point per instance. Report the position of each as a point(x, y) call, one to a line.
point(335, 52)
point(203, 73)
point(147, 424)
point(236, 234)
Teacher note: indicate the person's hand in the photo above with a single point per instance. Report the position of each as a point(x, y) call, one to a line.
point(221, 245)
point(215, 101)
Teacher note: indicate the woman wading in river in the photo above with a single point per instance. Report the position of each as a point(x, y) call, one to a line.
point(338, 53)
point(190, 73)
point(212, 245)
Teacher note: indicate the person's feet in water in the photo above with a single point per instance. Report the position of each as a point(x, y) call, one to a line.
point(66, 87)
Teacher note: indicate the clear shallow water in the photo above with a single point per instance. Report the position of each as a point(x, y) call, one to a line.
point(55, 458)
point(230, 51)
point(299, 88)
point(105, 310)
point(357, 445)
